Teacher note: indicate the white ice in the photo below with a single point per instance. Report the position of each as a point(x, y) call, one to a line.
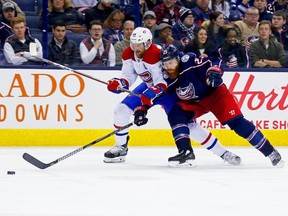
point(144, 185)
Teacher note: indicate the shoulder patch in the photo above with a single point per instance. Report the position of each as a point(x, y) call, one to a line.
point(185, 58)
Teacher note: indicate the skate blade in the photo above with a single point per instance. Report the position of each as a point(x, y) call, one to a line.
point(120, 159)
point(188, 163)
point(280, 164)
point(237, 163)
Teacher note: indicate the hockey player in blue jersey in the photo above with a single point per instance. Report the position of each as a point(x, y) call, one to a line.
point(200, 89)
point(139, 105)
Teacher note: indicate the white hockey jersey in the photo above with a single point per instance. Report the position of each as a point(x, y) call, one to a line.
point(149, 68)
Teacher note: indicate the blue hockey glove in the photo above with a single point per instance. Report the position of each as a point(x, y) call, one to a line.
point(150, 94)
point(140, 115)
point(214, 76)
point(115, 83)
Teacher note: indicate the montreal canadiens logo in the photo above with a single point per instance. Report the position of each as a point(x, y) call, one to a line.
point(146, 77)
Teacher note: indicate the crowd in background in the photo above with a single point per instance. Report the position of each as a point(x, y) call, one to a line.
point(243, 33)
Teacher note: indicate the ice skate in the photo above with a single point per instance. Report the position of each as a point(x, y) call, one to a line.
point(184, 158)
point(276, 159)
point(231, 158)
point(116, 154)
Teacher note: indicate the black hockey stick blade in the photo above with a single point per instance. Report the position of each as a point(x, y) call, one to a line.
point(29, 158)
point(34, 161)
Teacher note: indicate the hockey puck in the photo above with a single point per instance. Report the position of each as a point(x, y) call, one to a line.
point(10, 172)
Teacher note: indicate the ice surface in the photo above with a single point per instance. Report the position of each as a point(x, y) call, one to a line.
point(144, 185)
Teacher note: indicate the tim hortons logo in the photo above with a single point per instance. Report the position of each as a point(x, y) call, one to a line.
point(257, 99)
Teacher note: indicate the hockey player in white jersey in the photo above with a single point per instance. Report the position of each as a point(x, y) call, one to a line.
point(141, 59)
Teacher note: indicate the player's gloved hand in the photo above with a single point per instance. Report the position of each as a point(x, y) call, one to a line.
point(115, 84)
point(214, 76)
point(150, 94)
point(140, 115)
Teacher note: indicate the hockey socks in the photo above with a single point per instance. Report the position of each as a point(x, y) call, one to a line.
point(122, 114)
point(178, 119)
point(247, 130)
point(181, 137)
point(206, 139)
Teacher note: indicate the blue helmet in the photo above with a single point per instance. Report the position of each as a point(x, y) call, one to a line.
point(169, 52)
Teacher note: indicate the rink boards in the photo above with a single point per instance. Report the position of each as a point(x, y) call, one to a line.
point(58, 108)
point(80, 137)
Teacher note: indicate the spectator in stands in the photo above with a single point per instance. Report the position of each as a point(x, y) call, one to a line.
point(266, 52)
point(261, 5)
point(83, 5)
point(163, 36)
point(201, 12)
point(99, 12)
point(16, 48)
point(95, 50)
point(167, 12)
point(248, 27)
point(113, 27)
point(63, 10)
point(201, 45)
point(279, 29)
point(240, 5)
point(185, 28)
point(149, 21)
point(120, 46)
point(8, 13)
point(215, 27)
point(222, 6)
point(232, 53)
point(18, 10)
point(61, 49)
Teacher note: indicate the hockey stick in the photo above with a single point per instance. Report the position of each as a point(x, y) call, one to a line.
point(34, 161)
point(33, 52)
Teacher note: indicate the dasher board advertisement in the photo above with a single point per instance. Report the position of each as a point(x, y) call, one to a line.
point(33, 98)
point(54, 107)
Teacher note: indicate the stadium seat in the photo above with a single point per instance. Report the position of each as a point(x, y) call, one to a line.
point(76, 37)
point(38, 35)
point(2, 58)
point(70, 35)
point(32, 21)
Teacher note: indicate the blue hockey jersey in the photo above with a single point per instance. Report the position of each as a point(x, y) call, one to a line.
point(191, 82)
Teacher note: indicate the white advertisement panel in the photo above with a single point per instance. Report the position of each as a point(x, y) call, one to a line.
point(34, 98)
point(262, 97)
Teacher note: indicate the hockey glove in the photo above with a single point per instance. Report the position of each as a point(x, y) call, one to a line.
point(140, 115)
point(150, 94)
point(115, 85)
point(214, 76)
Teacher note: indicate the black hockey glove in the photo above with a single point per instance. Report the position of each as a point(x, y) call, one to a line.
point(140, 115)
point(214, 76)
